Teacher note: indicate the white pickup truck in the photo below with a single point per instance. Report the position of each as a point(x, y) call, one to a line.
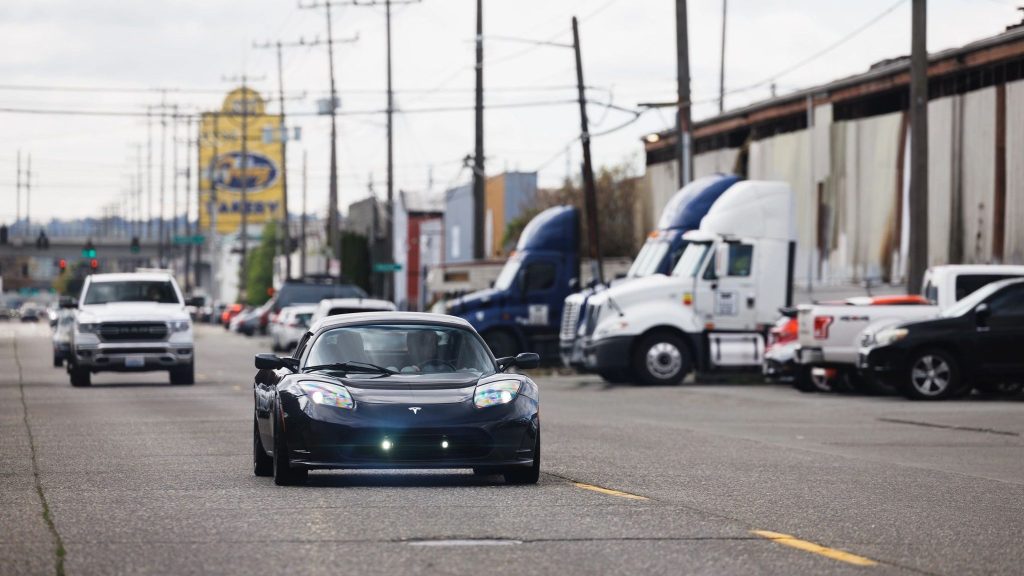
point(830, 333)
point(131, 323)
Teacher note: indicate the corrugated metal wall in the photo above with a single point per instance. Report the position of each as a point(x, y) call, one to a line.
point(943, 115)
point(1014, 244)
point(979, 169)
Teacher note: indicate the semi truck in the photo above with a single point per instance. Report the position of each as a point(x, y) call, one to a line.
point(713, 312)
point(522, 310)
point(659, 254)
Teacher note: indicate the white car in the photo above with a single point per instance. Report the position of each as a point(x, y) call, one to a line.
point(336, 306)
point(290, 325)
point(131, 323)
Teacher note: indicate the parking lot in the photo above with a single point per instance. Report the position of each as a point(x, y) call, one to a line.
point(135, 476)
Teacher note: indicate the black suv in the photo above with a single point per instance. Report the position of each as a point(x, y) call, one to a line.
point(975, 343)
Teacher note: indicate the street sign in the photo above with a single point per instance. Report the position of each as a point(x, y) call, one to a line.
point(194, 239)
point(387, 267)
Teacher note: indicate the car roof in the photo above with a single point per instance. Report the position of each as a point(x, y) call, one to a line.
point(355, 303)
point(131, 276)
point(388, 318)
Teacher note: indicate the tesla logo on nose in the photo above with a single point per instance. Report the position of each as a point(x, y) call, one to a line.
point(415, 409)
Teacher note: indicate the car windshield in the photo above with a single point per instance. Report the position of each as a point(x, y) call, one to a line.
point(649, 258)
point(159, 291)
point(407, 349)
point(690, 261)
point(972, 300)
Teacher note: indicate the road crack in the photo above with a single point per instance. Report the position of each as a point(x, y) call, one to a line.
point(949, 427)
point(58, 541)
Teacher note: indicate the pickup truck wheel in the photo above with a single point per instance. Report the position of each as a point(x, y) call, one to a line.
point(80, 377)
point(802, 380)
point(57, 361)
point(184, 375)
point(502, 344)
point(661, 358)
point(933, 375)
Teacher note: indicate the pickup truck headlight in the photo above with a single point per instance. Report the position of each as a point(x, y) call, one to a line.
point(179, 325)
point(327, 394)
point(886, 337)
point(495, 393)
point(87, 327)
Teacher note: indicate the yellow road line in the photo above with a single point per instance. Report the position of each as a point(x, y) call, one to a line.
point(794, 542)
point(608, 491)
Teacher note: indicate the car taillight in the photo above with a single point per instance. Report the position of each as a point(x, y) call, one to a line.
point(821, 324)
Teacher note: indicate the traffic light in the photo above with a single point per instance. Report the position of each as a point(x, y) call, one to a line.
point(89, 250)
point(94, 263)
point(135, 247)
point(63, 265)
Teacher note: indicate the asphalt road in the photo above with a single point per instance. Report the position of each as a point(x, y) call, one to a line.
point(133, 476)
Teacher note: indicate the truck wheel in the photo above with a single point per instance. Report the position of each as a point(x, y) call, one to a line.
point(502, 344)
point(80, 377)
point(58, 361)
point(615, 376)
point(933, 375)
point(802, 380)
point(661, 358)
point(184, 375)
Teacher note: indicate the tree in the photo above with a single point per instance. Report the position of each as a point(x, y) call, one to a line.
point(260, 282)
point(618, 192)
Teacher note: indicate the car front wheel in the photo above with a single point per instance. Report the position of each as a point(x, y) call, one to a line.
point(529, 474)
point(262, 464)
point(933, 375)
point(284, 474)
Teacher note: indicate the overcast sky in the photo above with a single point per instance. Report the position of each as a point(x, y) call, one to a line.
point(84, 163)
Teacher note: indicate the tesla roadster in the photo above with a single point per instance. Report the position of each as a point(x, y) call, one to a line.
point(395, 390)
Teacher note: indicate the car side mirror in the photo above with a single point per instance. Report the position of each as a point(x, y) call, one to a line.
point(981, 314)
point(274, 362)
point(526, 361)
point(68, 302)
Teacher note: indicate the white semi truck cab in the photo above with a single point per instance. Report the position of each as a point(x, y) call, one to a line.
point(715, 309)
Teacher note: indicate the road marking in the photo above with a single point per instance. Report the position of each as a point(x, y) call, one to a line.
point(794, 542)
point(608, 491)
point(465, 542)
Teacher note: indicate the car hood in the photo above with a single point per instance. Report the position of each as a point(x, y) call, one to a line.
point(132, 312)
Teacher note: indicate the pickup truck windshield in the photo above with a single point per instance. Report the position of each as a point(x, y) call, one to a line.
point(690, 261)
point(159, 291)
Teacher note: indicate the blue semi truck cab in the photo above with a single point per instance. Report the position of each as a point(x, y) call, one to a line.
point(521, 312)
point(659, 254)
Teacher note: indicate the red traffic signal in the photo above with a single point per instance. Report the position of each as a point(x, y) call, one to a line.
point(62, 264)
point(94, 263)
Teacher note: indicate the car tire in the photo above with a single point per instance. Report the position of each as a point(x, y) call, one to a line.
point(525, 474)
point(501, 343)
point(184, 376)
point(661, 358)
point(80, 377)
point(58, 362)
point(284, 474)
point(802, 380)
point(933, 375)
point(262, 464)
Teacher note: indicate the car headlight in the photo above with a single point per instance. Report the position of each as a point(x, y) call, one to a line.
point(327, 394)
point(495, 393)
point(886, 337)
point(87, 327)
point(179, 325)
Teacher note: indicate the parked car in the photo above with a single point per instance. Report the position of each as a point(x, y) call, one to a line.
point(338, 306)
point(973, 344)
point(245, 322)
point(229, 314)
point(779, 352)
point(289, 326)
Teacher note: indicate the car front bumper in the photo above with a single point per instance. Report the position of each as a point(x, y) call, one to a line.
point(133, 357)
point(454, 435)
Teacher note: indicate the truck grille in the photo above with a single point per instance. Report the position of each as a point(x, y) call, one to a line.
point(570, 319)
point(132, 331)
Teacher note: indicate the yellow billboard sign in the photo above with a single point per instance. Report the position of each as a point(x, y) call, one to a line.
point(224, 176)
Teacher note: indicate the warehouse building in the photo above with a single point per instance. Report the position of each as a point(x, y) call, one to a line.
point(844, 148)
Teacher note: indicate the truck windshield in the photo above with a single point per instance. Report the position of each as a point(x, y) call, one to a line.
point(508, 274)
point(690, 261)
point(649, 258)
point(159, 291)
point(406, 349)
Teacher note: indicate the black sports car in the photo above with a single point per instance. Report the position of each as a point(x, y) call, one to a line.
point(395, 390)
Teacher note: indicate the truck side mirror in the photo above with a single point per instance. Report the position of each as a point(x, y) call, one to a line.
point(981, 314)
point(722, 260)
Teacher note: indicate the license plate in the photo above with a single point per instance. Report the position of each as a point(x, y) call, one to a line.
point(134, 362)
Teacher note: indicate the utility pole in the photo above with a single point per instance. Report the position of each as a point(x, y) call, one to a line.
point(917, 257)
point(283, 140)
point(149, 174)
point(213, 207)
point(479, 172)
point(161, 256)
point(302, 230)
point(389, 284)
point(28, 194)
point(188, 203)
point(589, 189)
point(721, 64)
point(17, 187)
point(243, 262)
point(173, 231)
point(683, 85)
